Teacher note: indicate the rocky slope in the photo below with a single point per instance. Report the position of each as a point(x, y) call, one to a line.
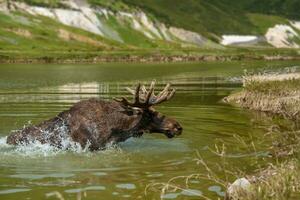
point(116, 26)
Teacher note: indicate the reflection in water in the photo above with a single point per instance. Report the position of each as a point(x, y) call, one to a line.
point(74, 92)
point(123, 171)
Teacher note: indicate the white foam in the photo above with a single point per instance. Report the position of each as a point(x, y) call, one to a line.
point(36, 148)
point(3, 142)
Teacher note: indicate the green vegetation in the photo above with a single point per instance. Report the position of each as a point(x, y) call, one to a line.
point(23, 36)
point(220, 16)
point(202, 16)
point(21, 32)
point(287, 8)
point(114, 5)
point(26, 36)
point(262, 22)
point(44, 3)
point(135, 38)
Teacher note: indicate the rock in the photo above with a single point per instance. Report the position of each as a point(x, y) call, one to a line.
point(281, 36)
point(239, 185)
point(188, 36)
point(3, 6)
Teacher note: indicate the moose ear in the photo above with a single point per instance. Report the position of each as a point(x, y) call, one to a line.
point(132, 111)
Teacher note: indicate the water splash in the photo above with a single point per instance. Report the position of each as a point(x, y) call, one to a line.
point(35, 148)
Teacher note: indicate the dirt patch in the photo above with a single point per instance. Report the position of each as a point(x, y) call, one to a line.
point(68, 36)
point(21, 32)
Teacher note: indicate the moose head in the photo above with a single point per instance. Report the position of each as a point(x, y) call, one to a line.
point(143, 106)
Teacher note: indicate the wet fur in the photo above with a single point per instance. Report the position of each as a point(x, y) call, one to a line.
point(91, 122)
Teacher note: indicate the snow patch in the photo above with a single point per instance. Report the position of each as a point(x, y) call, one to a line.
point(238, 39)
point(280, 36)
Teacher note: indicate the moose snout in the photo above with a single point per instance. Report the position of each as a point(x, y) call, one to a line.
point(174, 131)
point(177, 130)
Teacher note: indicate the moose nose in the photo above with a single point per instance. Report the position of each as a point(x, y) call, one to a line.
point(178, 130)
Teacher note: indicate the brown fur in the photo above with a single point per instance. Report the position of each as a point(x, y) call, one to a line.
point(97, 123)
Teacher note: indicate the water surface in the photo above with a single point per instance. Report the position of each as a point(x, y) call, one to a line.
point(33, 93)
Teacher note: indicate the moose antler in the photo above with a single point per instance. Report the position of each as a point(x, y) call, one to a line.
point(144, 98)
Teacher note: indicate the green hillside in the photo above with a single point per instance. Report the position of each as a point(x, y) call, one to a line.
point(218, 16)
point(213, 17)
point(22, 34)
point(284, 8)
point(201, 16)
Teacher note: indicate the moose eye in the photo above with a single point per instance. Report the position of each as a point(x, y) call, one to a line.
point(136, 111)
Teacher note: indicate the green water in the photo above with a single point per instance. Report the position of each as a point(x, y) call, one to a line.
point(33, 93)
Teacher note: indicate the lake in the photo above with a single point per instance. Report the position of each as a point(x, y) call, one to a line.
point(33, 93)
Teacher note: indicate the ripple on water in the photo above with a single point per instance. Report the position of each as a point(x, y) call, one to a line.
point(127, 186)
point(170, 196)
point(217, 189)
point(195, 181)
point(89, 188)
point(191, 192)
point(100, 173)
point(154, 174)
point(186, 192)
point(16, 190)
point(41, 176)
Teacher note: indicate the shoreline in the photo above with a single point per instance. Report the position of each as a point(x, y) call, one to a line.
point(143, 59)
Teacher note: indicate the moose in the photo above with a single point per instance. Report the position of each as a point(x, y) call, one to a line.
point(95, 123)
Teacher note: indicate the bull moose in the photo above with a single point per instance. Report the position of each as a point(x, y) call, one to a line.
point(94, 123)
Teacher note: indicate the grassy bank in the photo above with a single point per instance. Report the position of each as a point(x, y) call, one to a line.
point(275, 93)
